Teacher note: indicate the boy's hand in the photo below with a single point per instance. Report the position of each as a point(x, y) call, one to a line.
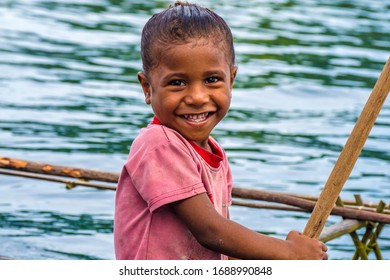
point(306, 248)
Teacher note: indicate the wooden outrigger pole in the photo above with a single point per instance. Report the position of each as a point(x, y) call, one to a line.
point(58, 170)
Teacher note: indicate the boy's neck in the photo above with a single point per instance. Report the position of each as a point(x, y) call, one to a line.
point(211, 147)
point(213, 158)
point(156, 121)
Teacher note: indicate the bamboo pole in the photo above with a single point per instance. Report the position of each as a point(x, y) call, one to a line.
point(336, 230)
point(371, 235)
point(349, 155)
point(360, 247)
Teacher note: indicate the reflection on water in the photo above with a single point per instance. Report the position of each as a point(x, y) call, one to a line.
point(69, 95)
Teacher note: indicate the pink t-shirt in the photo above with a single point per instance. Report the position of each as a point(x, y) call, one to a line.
point(163, 167)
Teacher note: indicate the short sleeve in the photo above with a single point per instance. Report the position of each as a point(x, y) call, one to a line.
point(165, 174)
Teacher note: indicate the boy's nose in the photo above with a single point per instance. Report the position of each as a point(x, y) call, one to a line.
point(197, 96)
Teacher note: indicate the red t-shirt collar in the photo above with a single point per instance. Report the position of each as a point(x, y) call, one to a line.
point(213, 159)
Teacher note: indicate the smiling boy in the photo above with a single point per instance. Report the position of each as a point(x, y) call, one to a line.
point(175, 188)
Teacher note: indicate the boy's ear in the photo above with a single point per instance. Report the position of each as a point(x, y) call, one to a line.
point(143, 80)
point(233, 74)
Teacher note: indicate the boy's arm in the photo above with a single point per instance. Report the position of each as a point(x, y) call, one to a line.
point(229, 238)
point(230, 258)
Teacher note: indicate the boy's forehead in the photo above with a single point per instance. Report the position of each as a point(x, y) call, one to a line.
point(193, 47)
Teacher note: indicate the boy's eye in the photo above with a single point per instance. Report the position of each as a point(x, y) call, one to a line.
point(177, 83)
point(211, 80)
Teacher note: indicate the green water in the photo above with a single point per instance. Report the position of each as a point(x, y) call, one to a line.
point(69, 96)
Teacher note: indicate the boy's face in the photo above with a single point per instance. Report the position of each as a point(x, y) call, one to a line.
point(190, 89)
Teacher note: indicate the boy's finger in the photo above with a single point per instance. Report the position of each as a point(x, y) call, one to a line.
point(324, 247)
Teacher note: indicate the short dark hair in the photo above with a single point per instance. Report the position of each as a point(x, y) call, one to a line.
point(178, 24)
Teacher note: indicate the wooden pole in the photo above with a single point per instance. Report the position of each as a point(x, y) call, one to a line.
point(69, 183)
point(345, 212)
point(58, 170)
point(341, 228)
point(349, 155)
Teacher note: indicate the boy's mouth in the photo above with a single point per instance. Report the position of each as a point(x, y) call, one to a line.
point(196, 117)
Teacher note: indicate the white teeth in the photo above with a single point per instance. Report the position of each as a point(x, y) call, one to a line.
point(196, 118)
